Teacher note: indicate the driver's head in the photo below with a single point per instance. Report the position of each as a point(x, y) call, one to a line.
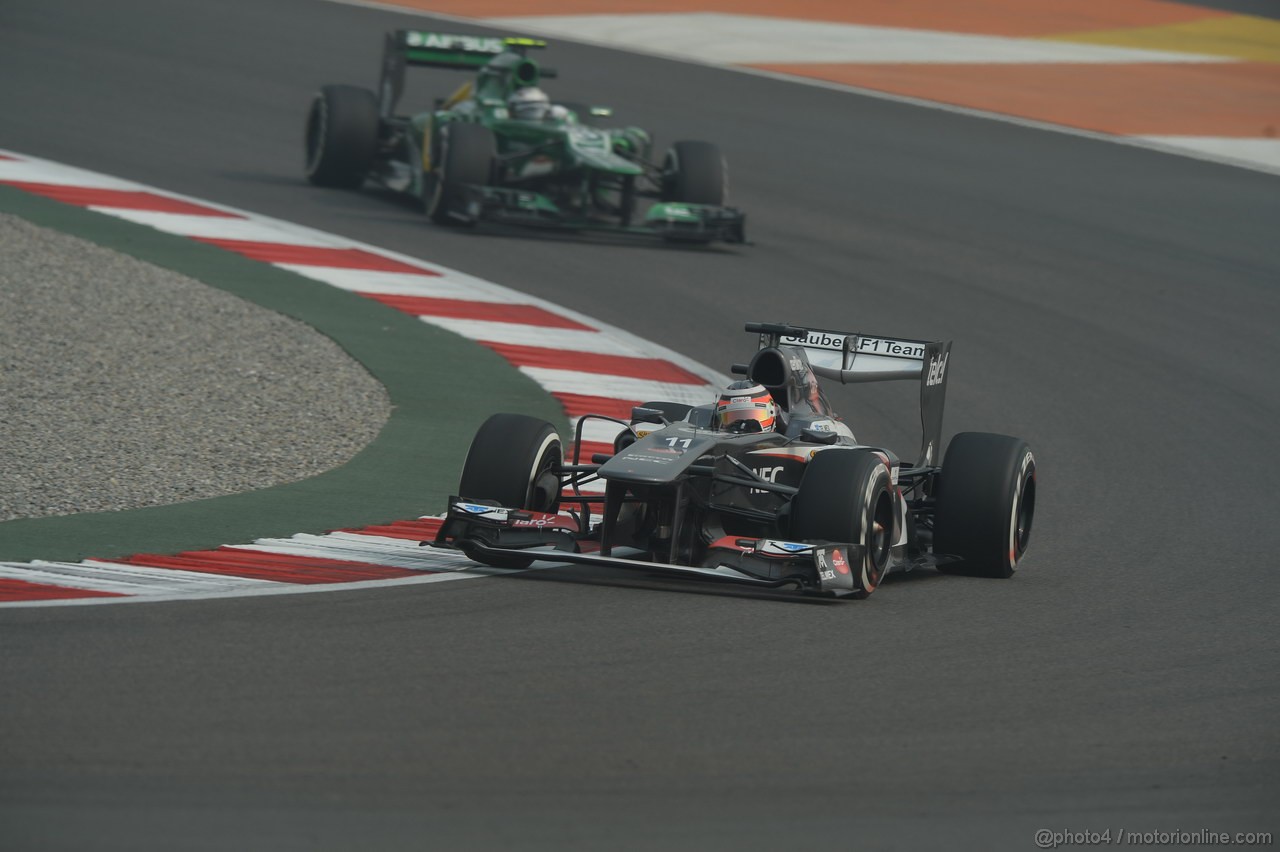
point(745, 407)
point(529, 103)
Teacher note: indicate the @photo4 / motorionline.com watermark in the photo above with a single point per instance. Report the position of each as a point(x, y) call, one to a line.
point(1049, 839)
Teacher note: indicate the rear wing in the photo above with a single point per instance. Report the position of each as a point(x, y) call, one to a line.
point(450, 50)
point(459, 52)
point(849, 357)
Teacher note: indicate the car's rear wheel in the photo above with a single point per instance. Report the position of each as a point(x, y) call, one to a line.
point(467, 152)
point(986, 500)
point(341, 136)
point(510, 463)
point(695, 173)
point(846, 496)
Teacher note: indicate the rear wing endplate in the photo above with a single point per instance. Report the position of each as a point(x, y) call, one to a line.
point(848, 357)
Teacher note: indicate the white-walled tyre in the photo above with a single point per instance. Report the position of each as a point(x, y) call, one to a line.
point(510, 463)
point(847, 496)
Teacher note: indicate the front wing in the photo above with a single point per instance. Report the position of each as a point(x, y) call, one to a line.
point(695, 223)
point(481, 531)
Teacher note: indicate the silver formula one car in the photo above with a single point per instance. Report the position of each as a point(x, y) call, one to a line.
point(765, 486)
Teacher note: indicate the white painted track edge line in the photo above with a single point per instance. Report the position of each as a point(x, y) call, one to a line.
point(471, 572)
point(327, 239)
point(955, 109)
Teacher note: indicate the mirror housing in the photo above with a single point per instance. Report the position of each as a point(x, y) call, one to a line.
point(817, 437)
point(640, 414)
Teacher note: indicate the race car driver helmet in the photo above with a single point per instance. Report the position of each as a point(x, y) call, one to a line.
point(529, 104)
point(746, 407)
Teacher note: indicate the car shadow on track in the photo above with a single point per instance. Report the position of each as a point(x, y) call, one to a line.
point(622, 579)
point(265, 178)
point(550, 233)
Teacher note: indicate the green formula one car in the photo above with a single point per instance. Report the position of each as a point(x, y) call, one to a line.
point(499, 150)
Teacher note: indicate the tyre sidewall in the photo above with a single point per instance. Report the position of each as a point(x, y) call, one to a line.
point(466, 157)
point(839, 496)
point(505, 458)
point(695, 173)
point(341, 136)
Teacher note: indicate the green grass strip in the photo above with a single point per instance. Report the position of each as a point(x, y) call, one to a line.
point(442, 387)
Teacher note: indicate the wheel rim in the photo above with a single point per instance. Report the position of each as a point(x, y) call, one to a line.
point(436, 201)
point(433, 183)
point(544, 485)
point(435, 206)
point(670, 171)
point(880, 539)
point(1025, 514)
point(315, 136)
point(545, 493)
point(1023, 511)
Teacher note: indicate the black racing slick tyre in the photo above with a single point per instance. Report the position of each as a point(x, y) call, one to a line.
point(986, 500)
point(510, 463)
point(467, 152)
point(341, 136)
point(695, 173)
point(846, 496)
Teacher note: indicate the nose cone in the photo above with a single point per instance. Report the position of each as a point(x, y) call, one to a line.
point(658, 458)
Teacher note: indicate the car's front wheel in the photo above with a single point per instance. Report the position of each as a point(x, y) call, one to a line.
point(341, 136)
point(695, 173)
point(511, 463)
point(986, 500)
point(846, 496)
point(467, 151)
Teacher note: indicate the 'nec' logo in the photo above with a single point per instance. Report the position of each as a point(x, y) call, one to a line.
point(937, 370)
point(768, 474)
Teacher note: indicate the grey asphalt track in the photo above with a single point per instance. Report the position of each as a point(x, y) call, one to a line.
point(1258, 8)
point(1115, 306)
